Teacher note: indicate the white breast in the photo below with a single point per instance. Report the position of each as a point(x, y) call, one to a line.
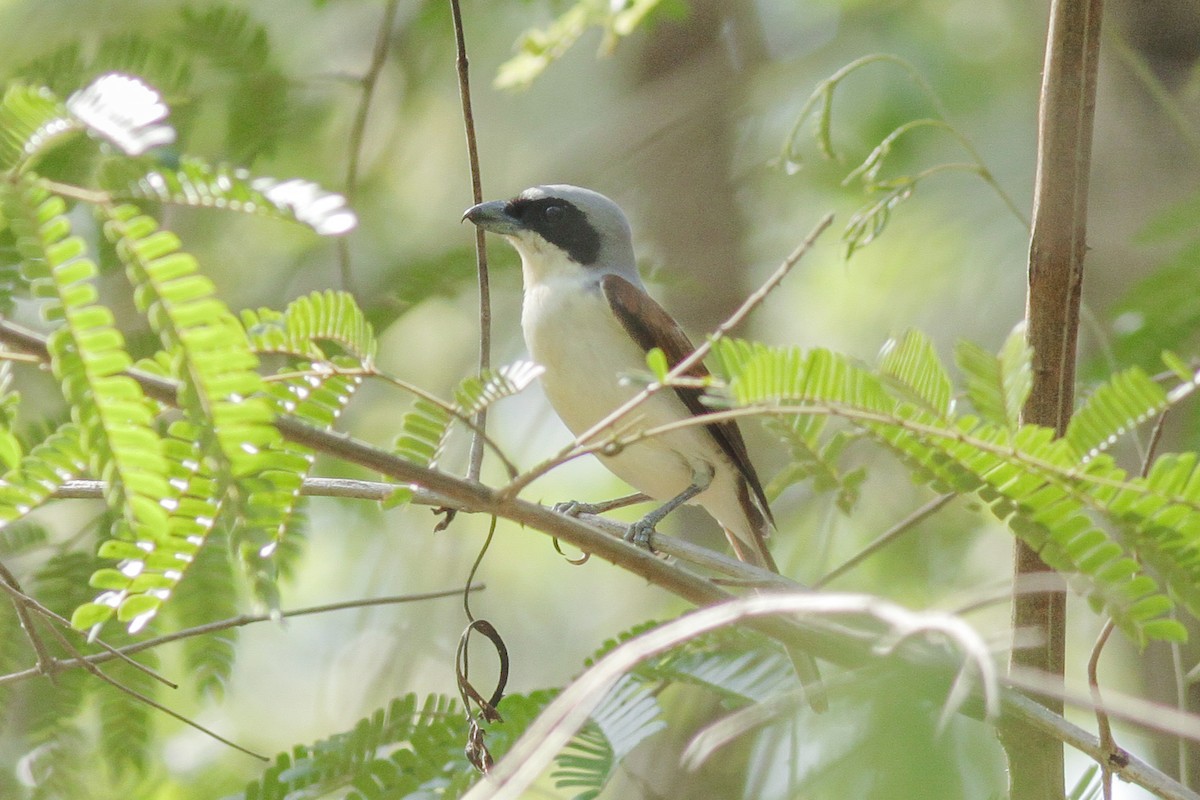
point(572, 332)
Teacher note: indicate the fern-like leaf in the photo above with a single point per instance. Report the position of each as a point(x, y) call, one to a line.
point(912, 367)
point(271, 513)
point(391, 753)
point(1125, 401)
point(123, 110)
point(627, 716)
point(208, 592)
point(308, 324)
point(198, 184)
point(127, 723)
point(816, 459)
point(423, 432)
point(116, 107)
point(538, 48)
point(32, 120)
point(1038, 485)
point(57, 459)
point(149, 571)
point(425, 428)
point(477, 392)
point(315, 387)
point(218, 381)
point(221, 388)
point(259, 109)
point(87, 356)
point(998, 385)
point(867, 223)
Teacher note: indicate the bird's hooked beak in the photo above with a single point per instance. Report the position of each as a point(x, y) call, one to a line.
point(493, 216)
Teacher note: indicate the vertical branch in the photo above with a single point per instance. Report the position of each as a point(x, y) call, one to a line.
point(359, 128)
point(1056, 252)
point(485, 300)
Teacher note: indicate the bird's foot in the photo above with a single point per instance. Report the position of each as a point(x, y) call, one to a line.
point(573, 508)
point(641, 533)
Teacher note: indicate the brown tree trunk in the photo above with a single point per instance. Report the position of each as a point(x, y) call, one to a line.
point(1056, 252)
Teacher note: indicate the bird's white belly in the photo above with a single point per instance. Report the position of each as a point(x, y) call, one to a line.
point(585, 351)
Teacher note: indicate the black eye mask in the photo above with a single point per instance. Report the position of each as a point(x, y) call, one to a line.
point(567, 228)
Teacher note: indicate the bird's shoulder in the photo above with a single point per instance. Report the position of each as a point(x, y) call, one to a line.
point(647, 322)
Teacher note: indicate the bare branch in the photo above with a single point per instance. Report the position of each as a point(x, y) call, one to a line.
point(887, 537)
point(97, 672)
point(359, 127)
point(1102, 724)
point(485, 300)
point(235, 622)
point(52, 665)
point(21, 603)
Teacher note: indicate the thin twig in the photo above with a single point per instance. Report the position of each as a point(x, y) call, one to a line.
point(238, 622)
point(679, 370)
point(1036, 717)
point(485, 297)
point(1103, 725)
point(476, 424)
point(348, 488)
point(56, 665)
point(358, 128)
point(134, 693)
point(1168, 103)
point(1146, 714)
point(886, 538)
point(45, 661)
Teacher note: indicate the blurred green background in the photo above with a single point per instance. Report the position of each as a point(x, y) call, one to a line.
point(683, 124)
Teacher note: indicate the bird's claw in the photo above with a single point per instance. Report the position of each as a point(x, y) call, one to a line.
point(573, 508)
point(639, 534)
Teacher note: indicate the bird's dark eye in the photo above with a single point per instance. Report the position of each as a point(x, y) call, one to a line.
point(553, 214)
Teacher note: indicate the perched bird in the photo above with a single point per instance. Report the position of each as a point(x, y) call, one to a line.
point(588, 321)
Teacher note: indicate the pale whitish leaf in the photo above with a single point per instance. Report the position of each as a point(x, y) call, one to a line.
point(123, 110)
point(628, 715)
point(1016, 371)
point(324, 212)
point(478, 392)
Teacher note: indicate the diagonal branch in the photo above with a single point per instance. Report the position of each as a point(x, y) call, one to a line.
point(242, 620)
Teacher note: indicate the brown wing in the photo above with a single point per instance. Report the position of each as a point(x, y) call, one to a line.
point(651, 326)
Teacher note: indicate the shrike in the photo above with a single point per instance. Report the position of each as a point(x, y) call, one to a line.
point(588, 321)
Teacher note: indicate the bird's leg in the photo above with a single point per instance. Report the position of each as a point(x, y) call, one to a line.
point(573, 508)
point(639, 533)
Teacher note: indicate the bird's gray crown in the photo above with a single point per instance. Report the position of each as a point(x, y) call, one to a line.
point(591, 229)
